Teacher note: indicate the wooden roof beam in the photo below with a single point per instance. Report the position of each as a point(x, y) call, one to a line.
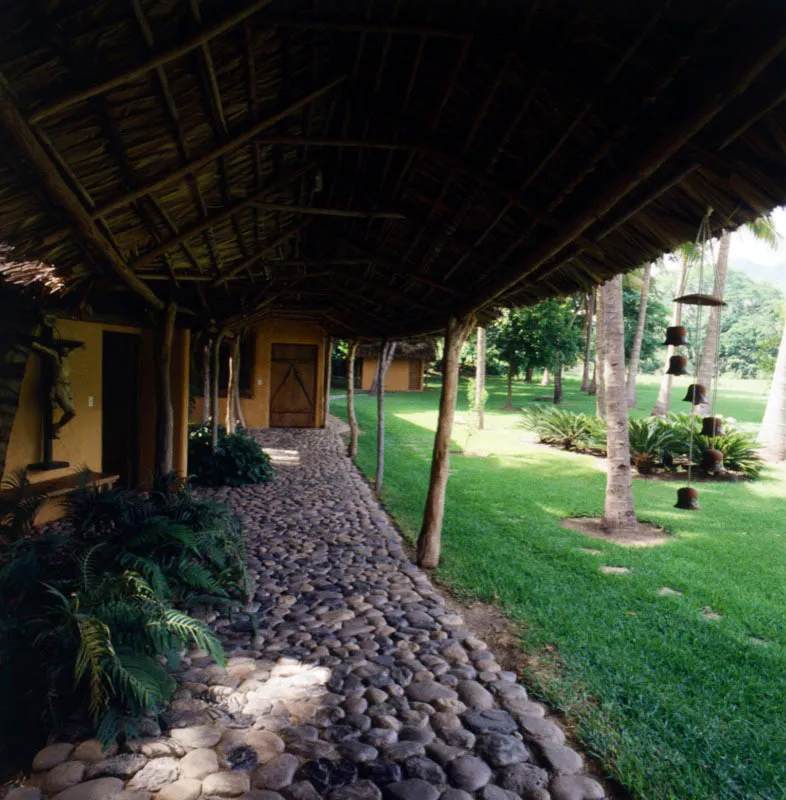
point(153, 61)
point(61, 195)
point(643, 166)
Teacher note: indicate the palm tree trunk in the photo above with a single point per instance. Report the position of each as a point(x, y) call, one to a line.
point(511, 373)
point(429, 540)
point(352, 450)
point(585, 375)
point(635, 353)
point(709, 353)
point(206, 382)
point(663, 403)
point(599, 377)
point(480, 376)
point(619, 514)
point(773, 428)
point(558, 383)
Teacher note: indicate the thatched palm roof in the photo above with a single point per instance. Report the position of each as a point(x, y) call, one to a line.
point(379, 166)
point(425, 349)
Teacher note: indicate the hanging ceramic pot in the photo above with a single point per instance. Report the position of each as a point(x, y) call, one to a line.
point(676, 336)
point(712, 462)
point(696, 394)
point(712, 426)
point(687, 499)
point(678, 365)
point(699, 299)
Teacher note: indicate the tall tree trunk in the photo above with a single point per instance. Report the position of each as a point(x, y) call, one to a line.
point(387, 351)
point(593, 387)
point(709, 353)
point(352, 450)
point(206, 348)
point(480, 377)
point(585, 373)
point(600, 376)
point(773, 428)
point(528, 374)
point(619, 515)
point(239, 418)
point(663, 403)
point(511, 374)
point(558, 383)
point(635, 353)
point(328, 377)
point(165, 415)
point(545, 378)
point(429, 540)
point(214, 418)
point(382, 369)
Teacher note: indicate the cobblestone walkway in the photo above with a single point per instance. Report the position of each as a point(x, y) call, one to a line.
point(348, 679)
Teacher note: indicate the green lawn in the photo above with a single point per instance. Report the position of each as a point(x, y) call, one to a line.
point(673, 704)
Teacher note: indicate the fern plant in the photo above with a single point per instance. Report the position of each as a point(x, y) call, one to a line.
point(238, 460)
point(565, 429)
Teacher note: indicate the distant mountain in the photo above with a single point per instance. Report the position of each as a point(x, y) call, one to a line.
point(774, 274)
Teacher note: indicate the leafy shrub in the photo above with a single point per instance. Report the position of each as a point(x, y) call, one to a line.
point(238, 459)
point(652, 442)
point(87, 608)
point(565, 429)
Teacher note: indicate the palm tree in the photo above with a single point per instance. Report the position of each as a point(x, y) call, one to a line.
point(773, 428)
point(635, 353)
point(589, 304)
point(619, 515)
point(763, 229)
point(599, 377)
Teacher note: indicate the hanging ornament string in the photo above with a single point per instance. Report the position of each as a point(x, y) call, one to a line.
point(716, 371)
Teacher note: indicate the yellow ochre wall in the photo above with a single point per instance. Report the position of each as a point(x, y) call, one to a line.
point(397, 378)
point(256, 409)
point(80, 443)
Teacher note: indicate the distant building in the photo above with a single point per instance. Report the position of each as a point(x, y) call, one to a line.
point(407, 370)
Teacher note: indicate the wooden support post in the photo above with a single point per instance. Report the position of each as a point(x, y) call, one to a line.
point(229, 415)
point(353, 422)
point(431, 530)
point(238, 407)
point(206, 353)
point(480, 377)
point(165, 418)
point(214, 403)
point(381, 372)
point(328, 379)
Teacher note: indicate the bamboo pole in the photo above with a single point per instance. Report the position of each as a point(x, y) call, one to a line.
point(353, 422)
point(429, 541)
point(165, 416)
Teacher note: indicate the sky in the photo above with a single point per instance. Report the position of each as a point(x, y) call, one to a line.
point(744, 246)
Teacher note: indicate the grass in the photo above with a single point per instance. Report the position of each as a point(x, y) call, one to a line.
point(673, 704)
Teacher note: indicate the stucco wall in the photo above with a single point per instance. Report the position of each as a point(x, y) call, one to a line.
point(80, 441)
point(256, 409)
point(397, 378)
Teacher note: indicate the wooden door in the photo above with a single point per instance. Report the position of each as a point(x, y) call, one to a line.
point(415, 373)
point(120, 407)
point(293, 386)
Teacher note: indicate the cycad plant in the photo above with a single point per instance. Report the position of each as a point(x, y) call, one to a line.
point(565, 429)
point(651, 442)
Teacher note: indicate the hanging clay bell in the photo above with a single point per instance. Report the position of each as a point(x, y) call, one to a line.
point(712, 462)
point(712, 426)
point(696, 394)
point(687, 499)
point(676, 336)
point(678, 365)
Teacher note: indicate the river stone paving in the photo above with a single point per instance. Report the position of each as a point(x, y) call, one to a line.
point(348, 677)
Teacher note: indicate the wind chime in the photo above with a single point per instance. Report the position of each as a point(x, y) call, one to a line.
point(698, 395)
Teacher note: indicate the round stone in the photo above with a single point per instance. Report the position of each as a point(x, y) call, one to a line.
point(363, 790)
point(155, 775)
point(92, 751)
point(277, 773)
point(489, 721)
point(226, 784)
point(99, 789)
point(51, 756)
point(500, 749)
point(184, 789)
point(424, 768)
point(522, 778)
point(473, 695)
point(412, 789)
point(199, 763)
point(69, 773)
point(381, 772)
point(576, 787)
point(123, 766)
point(197, 736)
point(469, 773)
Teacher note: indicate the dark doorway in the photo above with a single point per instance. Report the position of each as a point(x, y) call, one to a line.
point(120, 407)
point(293, 386)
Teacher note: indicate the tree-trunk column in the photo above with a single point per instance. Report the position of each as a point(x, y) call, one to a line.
point(429, 541)
point(214, 402)
point(328, 379)
point(480, 377)
point(206, 351)
point(585, 375)
point(165, 418)
point(352, 450)
point(773, 428)
point(381, 375)
point(619, 513)
point(600, 335)
point(635, 353)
